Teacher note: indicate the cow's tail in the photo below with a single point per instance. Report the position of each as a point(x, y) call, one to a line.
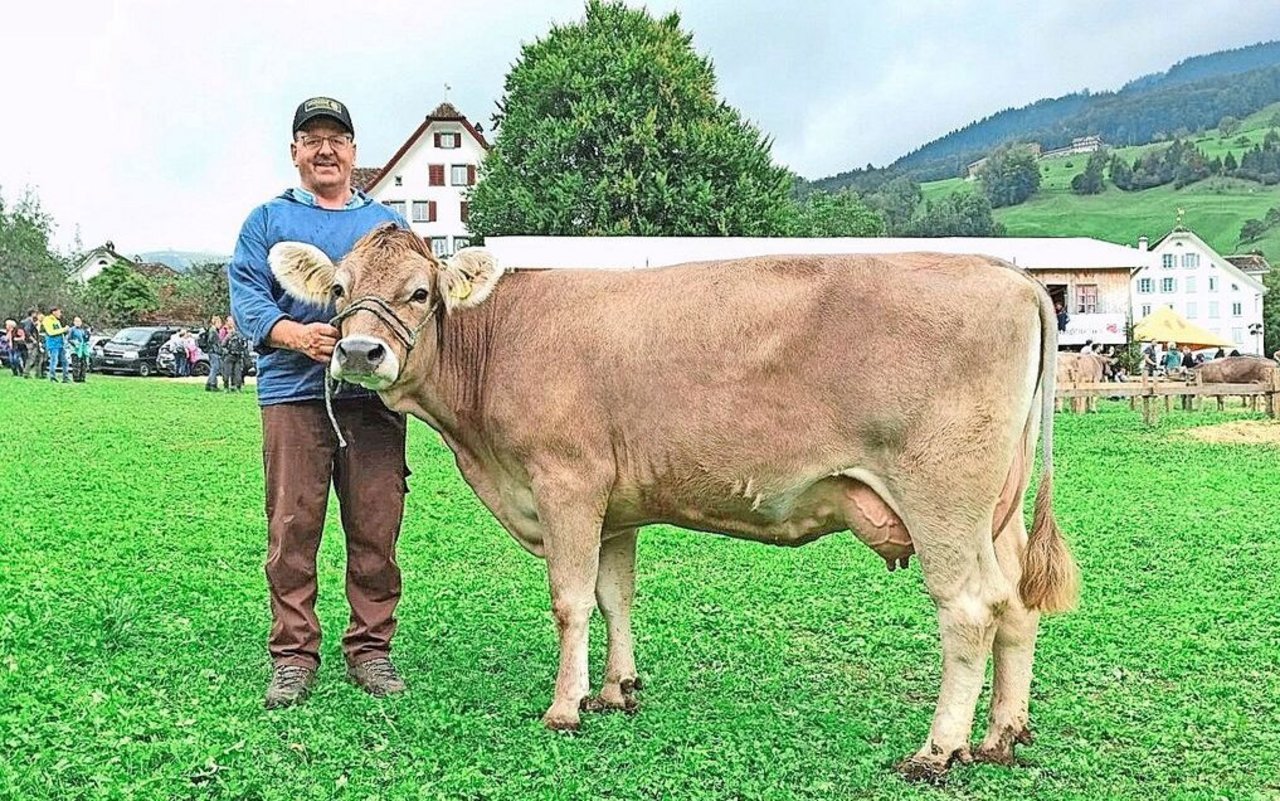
point(1050, 580)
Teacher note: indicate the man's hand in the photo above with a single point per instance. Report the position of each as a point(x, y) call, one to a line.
point(316, 340)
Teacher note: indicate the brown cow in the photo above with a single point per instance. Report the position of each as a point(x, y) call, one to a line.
point(1237, 370)
point(747, 398)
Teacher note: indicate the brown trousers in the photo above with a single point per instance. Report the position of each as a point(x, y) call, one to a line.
point(300, 456)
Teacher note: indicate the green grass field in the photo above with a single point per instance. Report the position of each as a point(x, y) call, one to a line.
point(1214, 208)
point(133, 621)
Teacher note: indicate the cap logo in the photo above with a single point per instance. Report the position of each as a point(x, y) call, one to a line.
point(325, 103)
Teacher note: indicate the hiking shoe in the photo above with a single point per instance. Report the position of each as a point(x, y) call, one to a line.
point(290, 684)
point(376, 677)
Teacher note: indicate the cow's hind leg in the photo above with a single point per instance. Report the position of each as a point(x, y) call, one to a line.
point(966, 584)
point(572, 543)
point(615, 590)
point(1012, 651)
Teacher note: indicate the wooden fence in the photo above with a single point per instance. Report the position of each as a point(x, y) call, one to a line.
point(1191, 392)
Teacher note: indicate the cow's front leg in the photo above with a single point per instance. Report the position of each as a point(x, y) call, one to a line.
point(572, 542)
point(615, 590)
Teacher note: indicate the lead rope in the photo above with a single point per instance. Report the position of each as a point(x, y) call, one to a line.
point(382, 310)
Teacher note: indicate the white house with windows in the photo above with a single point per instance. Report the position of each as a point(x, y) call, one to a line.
point(428, 177)
point(1189, 277)
point(95, 261)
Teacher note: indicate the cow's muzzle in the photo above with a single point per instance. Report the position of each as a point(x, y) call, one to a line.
point(364, 360)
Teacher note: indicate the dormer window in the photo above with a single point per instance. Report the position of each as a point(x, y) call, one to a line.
point(448, 141)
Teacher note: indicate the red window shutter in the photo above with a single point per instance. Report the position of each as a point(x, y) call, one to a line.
point(471, 174)
point(465, 210)
point(435, 175)
point(437, 138)
point(431, 211)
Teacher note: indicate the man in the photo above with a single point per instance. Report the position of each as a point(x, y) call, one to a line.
point(300, 450)
point(235, 350)
point(55, 344)
point(210, 343)
point(1063, 317)
point(35, 343)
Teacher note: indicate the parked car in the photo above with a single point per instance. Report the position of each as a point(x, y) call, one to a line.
point(95, 350)
point(165, 363)
point(134, 350)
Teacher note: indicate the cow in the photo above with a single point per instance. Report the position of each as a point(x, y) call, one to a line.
point(1082, 368)
point(1237, 370)
point(750, 398)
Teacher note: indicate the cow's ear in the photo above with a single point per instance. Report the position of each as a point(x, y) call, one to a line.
point(303, 270)
point(468, 278)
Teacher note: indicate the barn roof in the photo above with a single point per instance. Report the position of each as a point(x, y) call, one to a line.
point(620, 252)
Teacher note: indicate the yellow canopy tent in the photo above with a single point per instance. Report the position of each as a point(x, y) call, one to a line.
point(1166, 325)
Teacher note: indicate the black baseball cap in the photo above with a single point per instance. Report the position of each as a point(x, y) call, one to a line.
point(308, 110)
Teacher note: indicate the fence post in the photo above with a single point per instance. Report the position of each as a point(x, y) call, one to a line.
point(1273, 385)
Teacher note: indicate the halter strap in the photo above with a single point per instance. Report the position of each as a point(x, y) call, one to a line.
point(382, 310)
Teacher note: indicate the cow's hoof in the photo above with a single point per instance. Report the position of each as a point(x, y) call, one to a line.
point(558, 719)
point(927, 771)
point(932, 769)
point(999, 750)
point(612, 699)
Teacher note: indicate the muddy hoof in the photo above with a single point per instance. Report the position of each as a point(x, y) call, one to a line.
point(926, 771)
point(561, 722)
point(606, 703)
point(1001, 752)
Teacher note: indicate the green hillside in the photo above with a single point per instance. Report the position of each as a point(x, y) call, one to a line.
point(1214, 208)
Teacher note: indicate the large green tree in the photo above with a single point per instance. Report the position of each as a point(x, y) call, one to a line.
point(122, 295)
point(840, 213)
point(957, 214)
point(31, 271)
point(1271, 312)
point(612, 126)
point(1009, 177)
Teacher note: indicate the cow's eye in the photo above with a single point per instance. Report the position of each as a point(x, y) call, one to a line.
point(420, 296)
point(337, 290)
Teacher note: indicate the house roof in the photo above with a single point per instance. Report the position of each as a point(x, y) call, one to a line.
point(1223, 264)
point(155, 269)
point(1250, 262)
point(620, 252)
point(362, 177)
point(445, 112)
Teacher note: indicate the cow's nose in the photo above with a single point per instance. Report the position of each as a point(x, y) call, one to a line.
point(360, 356)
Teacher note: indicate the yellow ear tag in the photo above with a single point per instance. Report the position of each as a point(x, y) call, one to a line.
point(460, 292)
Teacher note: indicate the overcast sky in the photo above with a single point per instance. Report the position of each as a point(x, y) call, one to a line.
point(160, 124)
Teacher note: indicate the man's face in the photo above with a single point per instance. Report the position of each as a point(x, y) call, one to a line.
point(323, 168)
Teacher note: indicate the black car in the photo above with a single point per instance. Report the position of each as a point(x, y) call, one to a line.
point(134, 350)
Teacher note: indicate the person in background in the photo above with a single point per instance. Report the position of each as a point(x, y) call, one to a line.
point(235, 353)
point(78, 341)
point(1188, 359)
point(178, 348)
point(55, 343)
point(35, 343)
point(193, 352)
point(1172, 359)
point(1088, 347)
point(210, 342)
point(5, 348)
point(1220, 354)
point(1063, 317)
point(17, 337)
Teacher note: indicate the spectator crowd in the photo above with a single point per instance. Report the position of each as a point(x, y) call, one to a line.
point(42, 345)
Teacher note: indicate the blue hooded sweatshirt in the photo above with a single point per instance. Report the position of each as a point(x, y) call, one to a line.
point(258, 301)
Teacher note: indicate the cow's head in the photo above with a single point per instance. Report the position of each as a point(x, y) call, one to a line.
point(388, 291)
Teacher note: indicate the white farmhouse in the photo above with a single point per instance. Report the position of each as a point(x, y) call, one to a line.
point(95, 261)
point(427, 178)
point(1189, 277)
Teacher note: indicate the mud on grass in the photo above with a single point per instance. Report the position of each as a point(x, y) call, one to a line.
point(134, 615)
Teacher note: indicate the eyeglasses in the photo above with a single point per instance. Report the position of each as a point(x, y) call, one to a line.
point(337, 142)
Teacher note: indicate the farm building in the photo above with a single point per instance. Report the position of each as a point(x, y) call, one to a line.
point(426, 180)
point(1090, 277)
point(1210, 291)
